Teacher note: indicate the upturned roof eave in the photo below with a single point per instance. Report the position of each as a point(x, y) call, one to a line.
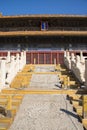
point(44, 16)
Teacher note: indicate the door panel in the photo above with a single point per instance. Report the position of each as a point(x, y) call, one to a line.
point(50, 57)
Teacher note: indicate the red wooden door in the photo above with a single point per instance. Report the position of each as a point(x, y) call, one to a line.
point(44, 57)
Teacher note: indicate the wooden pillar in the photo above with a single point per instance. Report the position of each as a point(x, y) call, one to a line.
point(57, 58)
point(34, 60)
point(44, 58)
point(84, 106)
point(38, 57)
point(51, 58)
point(9, 106)
point(31, 58)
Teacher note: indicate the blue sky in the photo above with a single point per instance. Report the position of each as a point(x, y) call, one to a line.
point(17, 7)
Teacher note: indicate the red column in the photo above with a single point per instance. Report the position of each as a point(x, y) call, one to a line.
point(51, 58)
point(31, 57)
point(38, 57)
point(44, 58)
point(57, 58)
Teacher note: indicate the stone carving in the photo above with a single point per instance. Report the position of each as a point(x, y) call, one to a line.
point(76, 64)
point(9, 66)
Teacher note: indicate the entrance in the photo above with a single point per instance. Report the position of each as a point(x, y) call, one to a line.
point(45, 57)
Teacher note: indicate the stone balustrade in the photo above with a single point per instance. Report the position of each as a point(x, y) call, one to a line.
point(9, 66)
point(67, 60)
point(86, 72)
point(76, 64)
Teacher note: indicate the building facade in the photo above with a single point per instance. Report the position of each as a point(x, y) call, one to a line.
point(44, 37)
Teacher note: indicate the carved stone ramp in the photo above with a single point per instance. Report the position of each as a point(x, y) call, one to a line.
point(44, 78)
point(44, 81)
point(46, 112)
